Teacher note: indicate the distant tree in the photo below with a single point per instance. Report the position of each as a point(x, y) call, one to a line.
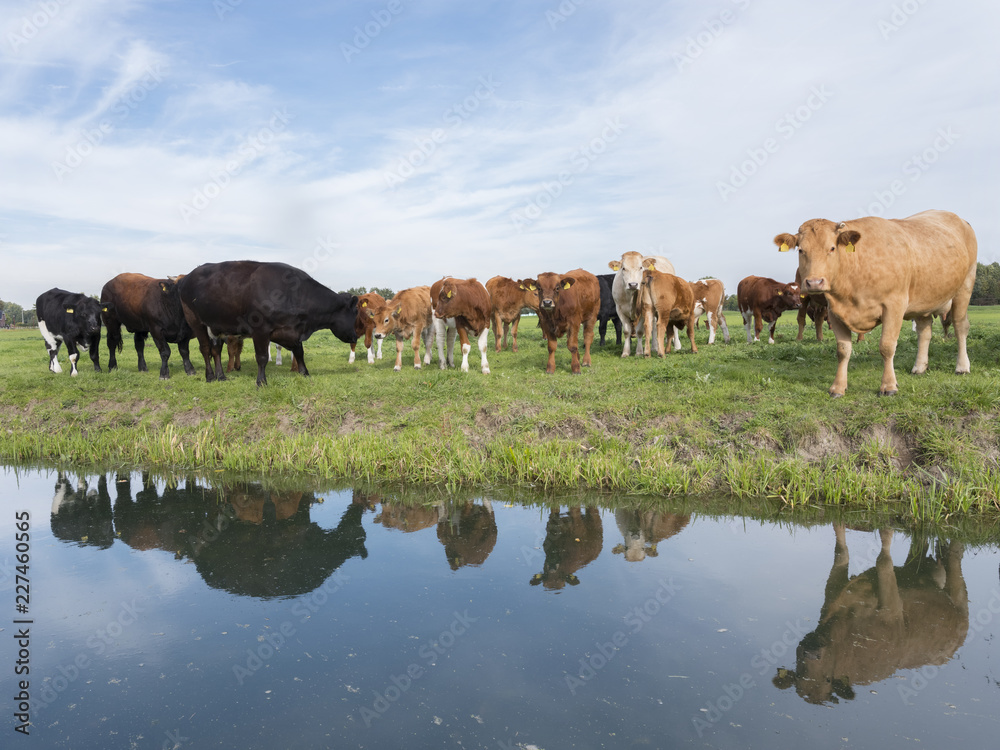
point(384, 291)
point(13, 312)
point(731, 303)
point(987, 287)
point(357, 290)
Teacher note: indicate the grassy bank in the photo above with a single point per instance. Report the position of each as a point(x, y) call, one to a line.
point(750, 421)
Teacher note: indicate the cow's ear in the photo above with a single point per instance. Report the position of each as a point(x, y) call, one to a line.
point(529, 285)
point(615, 265)
point(449, 294)
point(69, 310)
point(848, 239)
point(649, 264)
point(364, 303)
point(785, 242)
point(567, 282)
point(397, 311)
point(371, 314)
point(164, 287)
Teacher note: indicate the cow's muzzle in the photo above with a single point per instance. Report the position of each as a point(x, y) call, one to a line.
point(548, 304)
point(813, 286)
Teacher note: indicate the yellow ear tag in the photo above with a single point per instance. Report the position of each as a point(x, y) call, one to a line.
point(449, 294)
point(566, 285)
point(104, 309)
point(783, 248)
point(69, 309)
point(850, 247)
point(532, 287)
point(651, 267)
point(365, 303)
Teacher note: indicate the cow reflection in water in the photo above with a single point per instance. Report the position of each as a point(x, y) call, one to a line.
point(643, 530)
point(242, 538)
point(572, 540)
point(468, 533)
point(882, 620)
point(82, 514)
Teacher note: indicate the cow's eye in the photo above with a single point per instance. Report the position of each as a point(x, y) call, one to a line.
point(833, 249)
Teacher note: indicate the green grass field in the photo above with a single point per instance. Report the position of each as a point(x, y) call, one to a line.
point(750, 421)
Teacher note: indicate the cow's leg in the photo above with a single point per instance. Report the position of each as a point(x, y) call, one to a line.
point(234, 348)
point(483, 342)
point(602, 330)
point(51, 346)
point(618, 330)
point(550, 368)
point(820, 316)
point(725, 327)
point(216, 350)
point(497, 328)
point(690, 327)
point(368, 345)
point(399, 352)
point(74, 355)
point(140, 348)
point(93, 349)
point(184, 349)
point(890, 604)
point(838, 579)
point(506, 330)
point(588, 339)
point(463, 338)
point(261, 350)
point(440, 331)
point(649, 324)
point(711, 323)
point(892, 323)
point(164, 348)
point(843, 334)
point(114, 339)
point(513, 333)
point(748, 324)
point(677, 337)
point(959, 318)
point(770, 330)
point(923, 327)
point(452, 332)
point(427, 335)
point(350, 359)
point(277, 355)
point(802, 321)
point(626, 336)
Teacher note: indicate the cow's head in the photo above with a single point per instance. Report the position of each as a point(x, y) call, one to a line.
point(815, 677)
point(630, 269)
point(385, 318)
point(447, 296)
point(86, 315)
point(822, 246)
point(549, 286)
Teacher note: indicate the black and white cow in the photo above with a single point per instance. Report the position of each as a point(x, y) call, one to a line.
point(73, 319)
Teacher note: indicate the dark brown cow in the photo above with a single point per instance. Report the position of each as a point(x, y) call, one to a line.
point(667, 304)
point(407, 315)
point(565, 302)
point(467, 303)
point(507, 299)
point(882, 620)
point(762, 299)
point(145, 306)
point(468, 534)
point(572, 540)
point(364, 325)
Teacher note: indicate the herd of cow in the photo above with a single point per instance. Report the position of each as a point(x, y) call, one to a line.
point(857, 275)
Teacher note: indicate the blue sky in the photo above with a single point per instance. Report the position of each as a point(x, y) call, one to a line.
point(391, 143)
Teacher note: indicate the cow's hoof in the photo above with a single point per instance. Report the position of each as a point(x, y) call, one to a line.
point(416, 367)
point(486, 371)
point(397, 369)
point(836, 395)
point(888, 393)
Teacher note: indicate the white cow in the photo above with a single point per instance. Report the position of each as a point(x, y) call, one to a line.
point(625, 291)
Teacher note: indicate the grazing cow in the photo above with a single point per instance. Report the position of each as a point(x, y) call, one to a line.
point(146, 307)
point(467, 303)
point(572, 540)
point(407, 315)
point(364, 325)
point(709, 298)
point(643, 530)
point(625, 290)
point(265, 301)
point(73, 319)
point(667, 301)
point(763, 299)
point(608, 311)
point(507, 299)
point(875, 270)
point(565, 301)
point(883, 620)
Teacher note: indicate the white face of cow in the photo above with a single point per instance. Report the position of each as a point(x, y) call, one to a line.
point(822, 244)
point(629, 268)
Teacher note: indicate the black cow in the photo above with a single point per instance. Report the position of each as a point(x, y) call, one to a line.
point(609, 312)
point(73, 319)
point(265, 301)
point(145, 306)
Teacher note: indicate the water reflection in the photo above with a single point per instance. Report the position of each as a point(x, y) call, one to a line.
point(572, 541)
point(643, 530)
point(882, 620)
point(81, 514)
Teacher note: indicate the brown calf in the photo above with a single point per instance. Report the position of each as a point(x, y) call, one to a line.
point(667, 301)
point(365, 325)
point(467, 302)
point(507, 299)
point(763, 299)
point(407, 315)
point(565, 302)
point(710, 297)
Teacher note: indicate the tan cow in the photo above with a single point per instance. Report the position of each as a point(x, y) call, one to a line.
point(642, 530)
point(407, 315)
point(625, 290)
point(710, 298)
point(507, 299)
point(565, 302)
point(465, 305)
point(667, 301)
point(881, 621)
point(364, 325)
point(875, 270)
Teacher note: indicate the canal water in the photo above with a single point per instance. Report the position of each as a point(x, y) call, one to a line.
point(215, 613)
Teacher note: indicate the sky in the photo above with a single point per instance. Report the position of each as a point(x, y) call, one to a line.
point(390, 143)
